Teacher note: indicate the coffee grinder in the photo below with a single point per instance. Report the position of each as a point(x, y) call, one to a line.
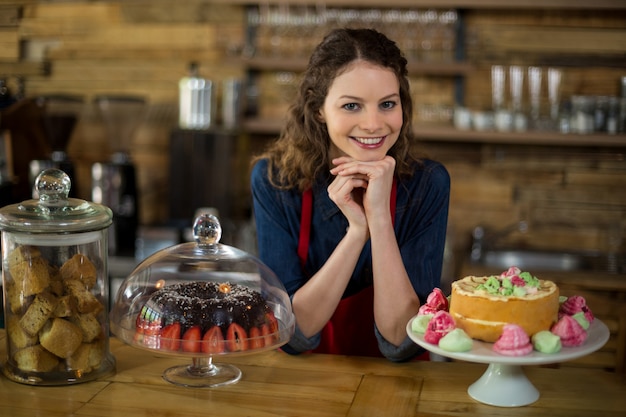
point(59, 114)
point(114, 183)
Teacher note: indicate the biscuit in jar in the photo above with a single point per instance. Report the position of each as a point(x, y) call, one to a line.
point(39, 311)
point(35, 358)
point(28, 270)
point(60, 337)
point(79, 268)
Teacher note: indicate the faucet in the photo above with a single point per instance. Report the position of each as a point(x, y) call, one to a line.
point(483, 238)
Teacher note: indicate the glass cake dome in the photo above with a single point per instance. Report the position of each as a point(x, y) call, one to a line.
point(202, 300)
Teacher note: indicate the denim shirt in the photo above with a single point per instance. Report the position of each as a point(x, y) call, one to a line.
point(420, 227)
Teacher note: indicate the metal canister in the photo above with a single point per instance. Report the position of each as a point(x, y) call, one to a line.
point(621, 123)
point(196, 101)
point(232, 106)
point(55, 285)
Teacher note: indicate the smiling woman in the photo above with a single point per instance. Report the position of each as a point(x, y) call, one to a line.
point(350, 219)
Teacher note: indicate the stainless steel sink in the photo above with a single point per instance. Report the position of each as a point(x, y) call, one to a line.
point(486, 252)
point(535, 260)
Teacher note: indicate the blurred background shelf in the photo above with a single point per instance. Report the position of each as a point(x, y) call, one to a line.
point(415, 68)
point(464, 4)
point(451, 134)
point(24, 68)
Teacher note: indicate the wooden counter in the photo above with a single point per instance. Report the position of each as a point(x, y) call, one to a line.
point(276, 384)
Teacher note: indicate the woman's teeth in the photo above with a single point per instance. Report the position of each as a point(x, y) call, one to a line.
point(369, 141)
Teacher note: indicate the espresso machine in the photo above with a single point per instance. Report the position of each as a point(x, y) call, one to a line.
point(114, 182)
point(59, 114)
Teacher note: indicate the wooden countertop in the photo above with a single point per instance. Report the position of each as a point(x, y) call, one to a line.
point(276, 384)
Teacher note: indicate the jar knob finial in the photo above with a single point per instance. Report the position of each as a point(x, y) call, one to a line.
point(207, 230)
point(53, 185)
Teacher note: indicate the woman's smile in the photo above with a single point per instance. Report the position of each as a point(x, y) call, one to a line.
point(369, 141)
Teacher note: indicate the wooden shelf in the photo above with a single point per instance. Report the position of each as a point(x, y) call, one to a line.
point(262, 126)
point(450, 134)
point(24, 68)
point(460, 4)
point(440, 4)
point(414, 68)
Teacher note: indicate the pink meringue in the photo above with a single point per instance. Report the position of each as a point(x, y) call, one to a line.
point(440, 325)
point(511, 272)
point(436, 301)
point(570, 331)
point(426, 310)
point(513, 341)
point(576, 304)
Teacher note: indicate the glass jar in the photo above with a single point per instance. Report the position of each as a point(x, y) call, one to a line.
point(582, 114)
point(55, 284)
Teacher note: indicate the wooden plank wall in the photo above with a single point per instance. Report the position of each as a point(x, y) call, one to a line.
point(129, 48)
point(570, 197)
point(573, 196)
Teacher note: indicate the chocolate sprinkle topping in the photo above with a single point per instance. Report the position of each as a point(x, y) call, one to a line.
point(204, 304)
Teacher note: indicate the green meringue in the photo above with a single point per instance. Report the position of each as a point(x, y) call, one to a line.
point(581, 319)
point(456, 341)
point(546, 342)
point(420, 323)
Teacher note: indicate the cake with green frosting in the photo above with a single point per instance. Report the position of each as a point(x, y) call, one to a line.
point(482, 306)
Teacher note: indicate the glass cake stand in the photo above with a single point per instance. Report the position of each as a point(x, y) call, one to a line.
point(504, 383)
point(202, 372)
point(141, 324)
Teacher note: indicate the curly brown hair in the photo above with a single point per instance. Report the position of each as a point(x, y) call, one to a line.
point(301, 153)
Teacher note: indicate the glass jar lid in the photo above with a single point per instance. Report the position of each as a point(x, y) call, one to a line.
point(54, 212)
point(203, 298)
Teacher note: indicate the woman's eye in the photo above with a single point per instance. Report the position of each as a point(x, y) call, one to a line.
point(388, 104)
point(351, 106)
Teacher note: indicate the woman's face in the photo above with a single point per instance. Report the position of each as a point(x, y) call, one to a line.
point(363, 112)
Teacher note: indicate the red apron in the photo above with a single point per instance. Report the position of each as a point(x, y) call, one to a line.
point(350, 331)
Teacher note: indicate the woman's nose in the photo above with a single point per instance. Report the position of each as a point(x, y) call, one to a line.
point(371, 121)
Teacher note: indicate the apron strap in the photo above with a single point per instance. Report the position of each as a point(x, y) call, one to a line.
point(305, 225)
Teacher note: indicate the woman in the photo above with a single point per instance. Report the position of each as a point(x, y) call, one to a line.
point(348, 216)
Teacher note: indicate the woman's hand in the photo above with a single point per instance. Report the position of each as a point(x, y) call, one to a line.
point(347, 192)
point(366, 184)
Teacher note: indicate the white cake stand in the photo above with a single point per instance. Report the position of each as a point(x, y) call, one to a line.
point(504, 383)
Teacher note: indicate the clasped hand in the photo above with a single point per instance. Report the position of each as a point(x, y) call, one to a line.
point(362, 190)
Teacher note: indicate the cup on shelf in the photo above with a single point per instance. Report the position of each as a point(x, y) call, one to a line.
point(483, 120)
point(498, 81)
point(516, 84)
point(503, 120)
point(555, 77)
point(462, 118)
point(520, 122)
point(535, 75)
